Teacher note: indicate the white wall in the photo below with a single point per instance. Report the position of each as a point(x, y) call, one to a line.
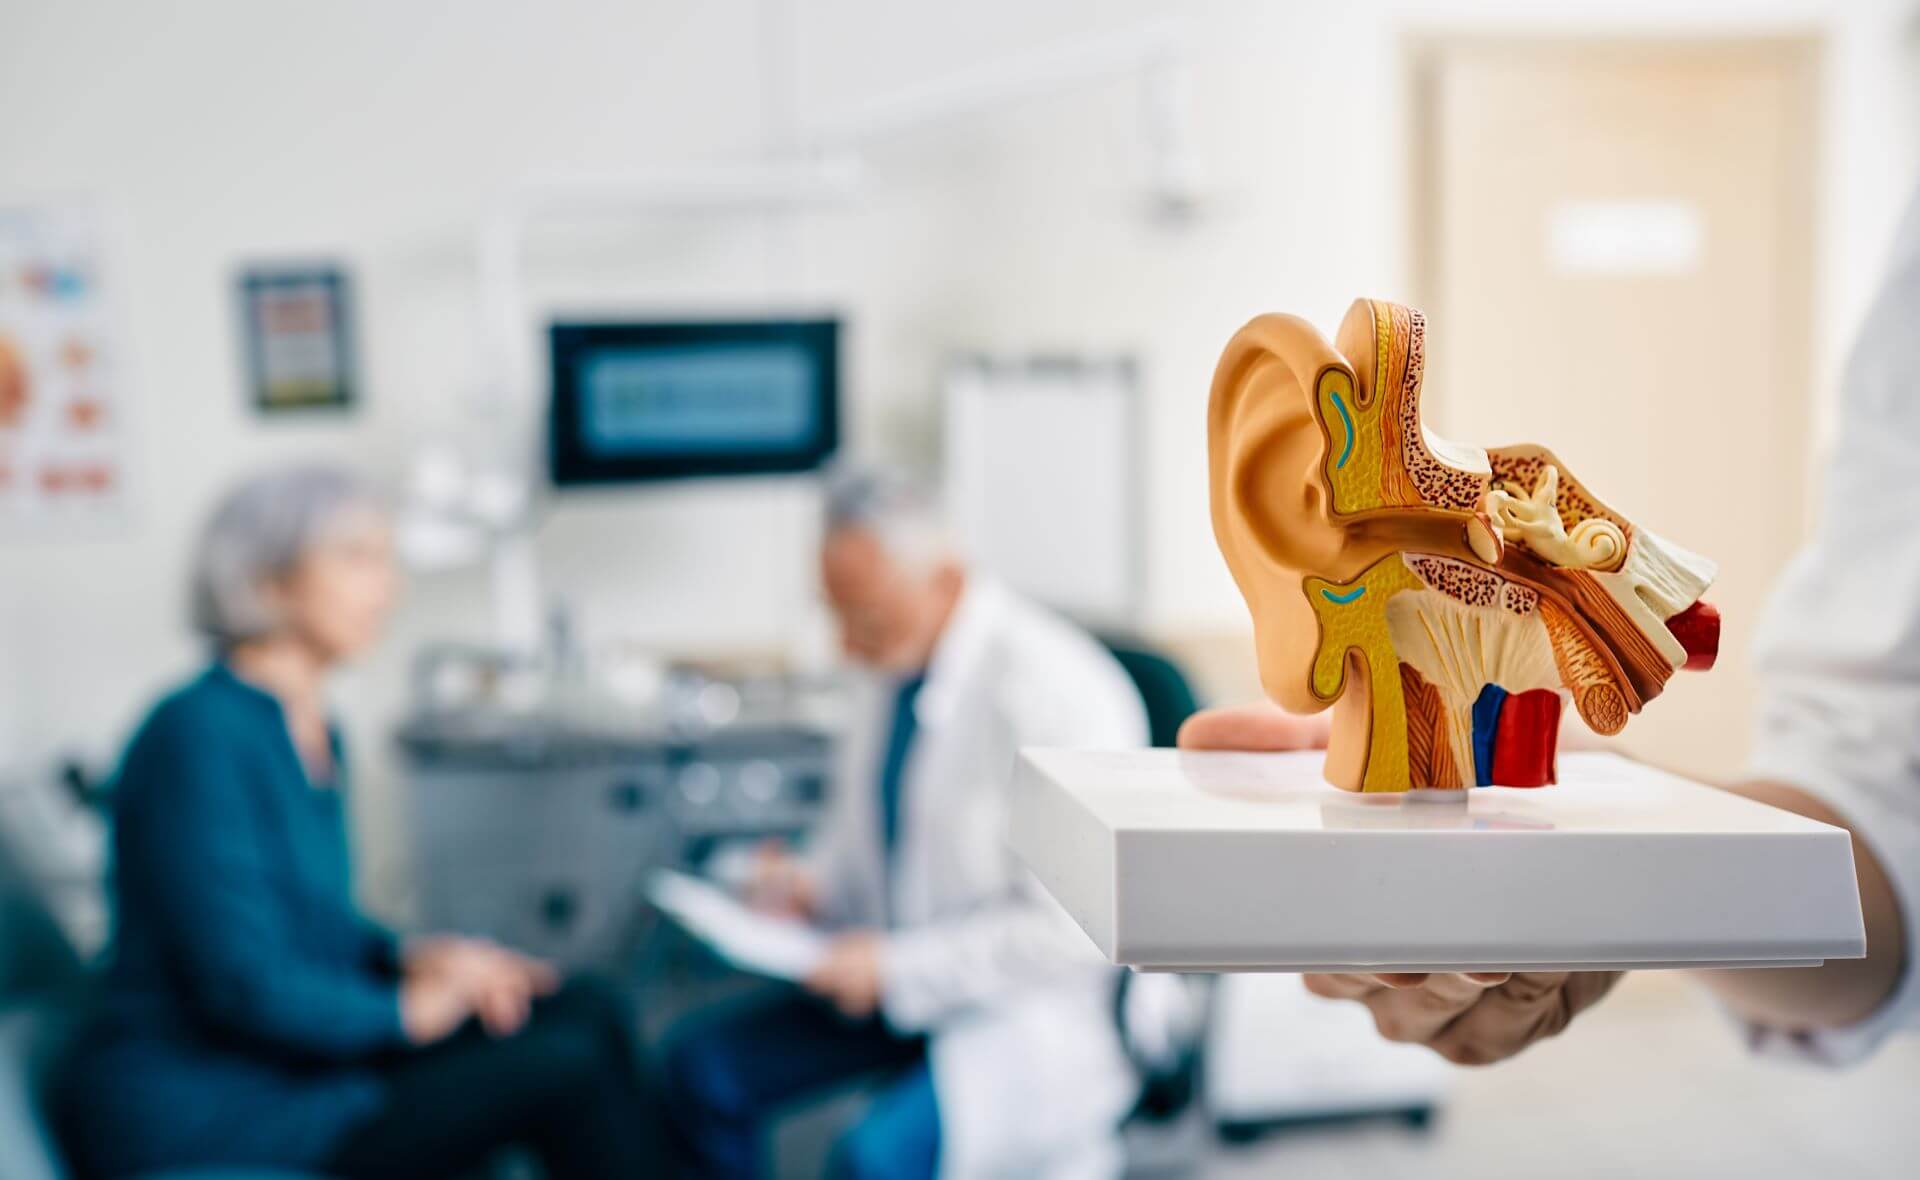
point(222, 131)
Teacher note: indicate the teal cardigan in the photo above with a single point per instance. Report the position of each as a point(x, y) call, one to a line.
point(245, 1000)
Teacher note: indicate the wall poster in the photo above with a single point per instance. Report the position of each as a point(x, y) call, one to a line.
point(63, 395)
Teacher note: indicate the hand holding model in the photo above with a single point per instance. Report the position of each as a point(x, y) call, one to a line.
point(1474, 1019)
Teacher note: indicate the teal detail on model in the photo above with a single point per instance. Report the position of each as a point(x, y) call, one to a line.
point(1346, 419)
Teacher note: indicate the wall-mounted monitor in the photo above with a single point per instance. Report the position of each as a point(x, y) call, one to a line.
point(646, 401)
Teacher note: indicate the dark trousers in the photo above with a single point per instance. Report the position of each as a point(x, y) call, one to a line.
point(567, 1087)
point(731, 1069)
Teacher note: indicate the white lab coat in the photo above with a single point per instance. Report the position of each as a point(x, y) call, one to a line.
point(1839, 646)
point(1028, 1068)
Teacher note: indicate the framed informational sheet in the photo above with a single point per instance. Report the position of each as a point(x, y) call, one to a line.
point(1043, 479)
point(63, 394)
point(299, 338)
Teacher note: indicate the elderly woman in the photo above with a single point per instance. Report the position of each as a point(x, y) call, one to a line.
point(251, 1016)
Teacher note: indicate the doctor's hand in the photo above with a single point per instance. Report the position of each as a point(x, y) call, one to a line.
point(849, 976)
point(1262, 727)
point(780, 883)
point(1473, 1019)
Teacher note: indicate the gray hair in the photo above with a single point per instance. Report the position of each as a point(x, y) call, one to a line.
point(259, 530)
point(899, 511)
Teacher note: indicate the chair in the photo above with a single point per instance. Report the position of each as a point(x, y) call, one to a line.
point(41, 978)
point(1164, 689)
point(43, 985)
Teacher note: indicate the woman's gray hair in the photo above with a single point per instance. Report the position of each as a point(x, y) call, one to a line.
point(259, 530)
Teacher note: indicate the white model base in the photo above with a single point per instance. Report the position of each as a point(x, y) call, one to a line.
point(1181, 861)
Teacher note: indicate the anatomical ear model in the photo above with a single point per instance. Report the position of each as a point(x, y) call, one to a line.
point(1444, 600)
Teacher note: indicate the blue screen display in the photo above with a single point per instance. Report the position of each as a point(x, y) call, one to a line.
point(722, 398)
point(640, 401)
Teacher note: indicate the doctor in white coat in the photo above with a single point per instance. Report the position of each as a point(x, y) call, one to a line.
point(1837, 738)
point(952, 974)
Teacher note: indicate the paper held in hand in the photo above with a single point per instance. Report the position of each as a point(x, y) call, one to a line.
point(780, 948)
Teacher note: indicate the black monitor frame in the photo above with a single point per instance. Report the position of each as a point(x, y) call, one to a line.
point(571, 464)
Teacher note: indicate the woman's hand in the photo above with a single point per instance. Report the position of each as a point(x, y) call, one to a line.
point(1471, 1019)
point(432, 1007)
point(498, 984)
